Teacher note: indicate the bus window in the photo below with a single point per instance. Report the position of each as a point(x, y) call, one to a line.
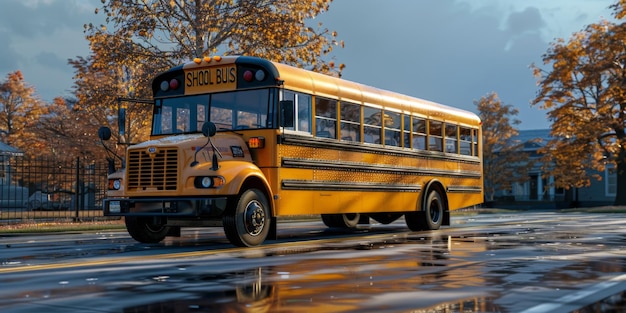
point(182, 120)
point(303, 109)
point(435, 136)
point(290, 96)
point(475, 141)
point(302, 106)
point(406, 131)
point(451, 138)
point(240, 109)
point(372, 125)
point(180, 115)
point(201, 115)
point(466, 141)
point(325, 118)
point(392, 128)
point(350, 121)
point(166, 120)
point(419, 133)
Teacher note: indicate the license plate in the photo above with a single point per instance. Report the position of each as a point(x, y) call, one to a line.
point(114, 207)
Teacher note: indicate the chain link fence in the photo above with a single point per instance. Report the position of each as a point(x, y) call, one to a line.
point(45, 189)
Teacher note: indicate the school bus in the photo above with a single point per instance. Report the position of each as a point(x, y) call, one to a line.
point(239, 141)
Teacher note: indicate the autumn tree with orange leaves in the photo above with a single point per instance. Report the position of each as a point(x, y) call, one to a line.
point(504, 162)
point(20, 111)
point(144, 37)
point(67, 133)
point(583, 88)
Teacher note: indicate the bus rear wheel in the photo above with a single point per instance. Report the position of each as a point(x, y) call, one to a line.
point(145, 230)
point(431, 215)
point(247, 223)
point(348, 220)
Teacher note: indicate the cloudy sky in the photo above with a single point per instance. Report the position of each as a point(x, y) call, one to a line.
point(448, 51)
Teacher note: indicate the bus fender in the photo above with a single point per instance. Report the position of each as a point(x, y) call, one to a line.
point(435, 183)
point(250, 176)
point(242, 175)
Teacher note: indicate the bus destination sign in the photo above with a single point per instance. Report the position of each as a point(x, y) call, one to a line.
point(211, 79)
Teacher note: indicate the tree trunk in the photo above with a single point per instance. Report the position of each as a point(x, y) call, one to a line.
point(620, 193)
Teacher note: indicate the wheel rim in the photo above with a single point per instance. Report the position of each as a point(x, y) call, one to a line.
point(434, 210)
point(254, 218)
point(153, 227)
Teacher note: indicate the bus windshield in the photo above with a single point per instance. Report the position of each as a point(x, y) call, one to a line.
point(247, 109)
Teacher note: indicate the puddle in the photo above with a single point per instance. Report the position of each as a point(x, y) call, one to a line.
point(488, 270)
point(611, 304)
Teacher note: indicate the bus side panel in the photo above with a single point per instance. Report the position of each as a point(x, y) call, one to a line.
point(464, 200)
point(307, 202)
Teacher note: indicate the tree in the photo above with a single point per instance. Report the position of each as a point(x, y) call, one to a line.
point(20, 110)
point(149, 36)
point(583, 88)
point(503, 160)
point(67, 133)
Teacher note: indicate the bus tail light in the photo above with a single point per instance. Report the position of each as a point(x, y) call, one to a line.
point(256, 142)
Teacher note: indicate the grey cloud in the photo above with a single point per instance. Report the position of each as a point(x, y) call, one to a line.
point(52, 60)
point(41, 19)
point(529, 20)
point(8, 56)
point(442, 51)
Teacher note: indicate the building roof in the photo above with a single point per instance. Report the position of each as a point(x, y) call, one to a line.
point(533, 139)
point(8, 150)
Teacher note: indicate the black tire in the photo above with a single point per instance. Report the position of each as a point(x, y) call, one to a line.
point(349, 220)
point(144, 230)
point(248, 222)
point(431, 215)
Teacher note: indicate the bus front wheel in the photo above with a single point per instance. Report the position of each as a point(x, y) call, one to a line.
point(431, 215)
point(247, 223)
point(145, 230)
point(348, 220)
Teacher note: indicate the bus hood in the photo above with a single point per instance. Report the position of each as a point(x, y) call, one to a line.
point(170, 140)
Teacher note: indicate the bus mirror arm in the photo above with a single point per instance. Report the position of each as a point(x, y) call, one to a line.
point(104, 133)
point(216, 152)
point(209, 130)
point(195, 160)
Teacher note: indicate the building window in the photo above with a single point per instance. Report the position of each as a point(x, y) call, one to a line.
point(610, 178)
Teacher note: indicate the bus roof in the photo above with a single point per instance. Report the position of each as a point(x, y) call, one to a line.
point(327, 86)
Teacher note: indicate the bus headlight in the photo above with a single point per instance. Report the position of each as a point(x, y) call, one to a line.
point(115, 184)
point(209, 182)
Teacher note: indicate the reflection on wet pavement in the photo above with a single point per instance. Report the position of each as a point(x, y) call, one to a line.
point(549, 264)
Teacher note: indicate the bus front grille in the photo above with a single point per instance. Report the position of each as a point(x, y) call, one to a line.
point(153, 171)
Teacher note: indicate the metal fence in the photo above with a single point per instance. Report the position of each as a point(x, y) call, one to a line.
point(36, 189)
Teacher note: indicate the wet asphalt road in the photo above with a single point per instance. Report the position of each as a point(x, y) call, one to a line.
point(522, 262)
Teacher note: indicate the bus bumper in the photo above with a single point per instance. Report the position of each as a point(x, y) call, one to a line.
point(165, 207)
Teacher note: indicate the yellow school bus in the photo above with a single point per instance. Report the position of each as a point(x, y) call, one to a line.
point(239, 141)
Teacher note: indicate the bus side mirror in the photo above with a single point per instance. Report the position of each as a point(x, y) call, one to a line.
point(209, 129)
point(104, 133)
point(121, 121)
point(286, 113)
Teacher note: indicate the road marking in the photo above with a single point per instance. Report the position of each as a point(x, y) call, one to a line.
point(279, 247)
point(559, 305)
